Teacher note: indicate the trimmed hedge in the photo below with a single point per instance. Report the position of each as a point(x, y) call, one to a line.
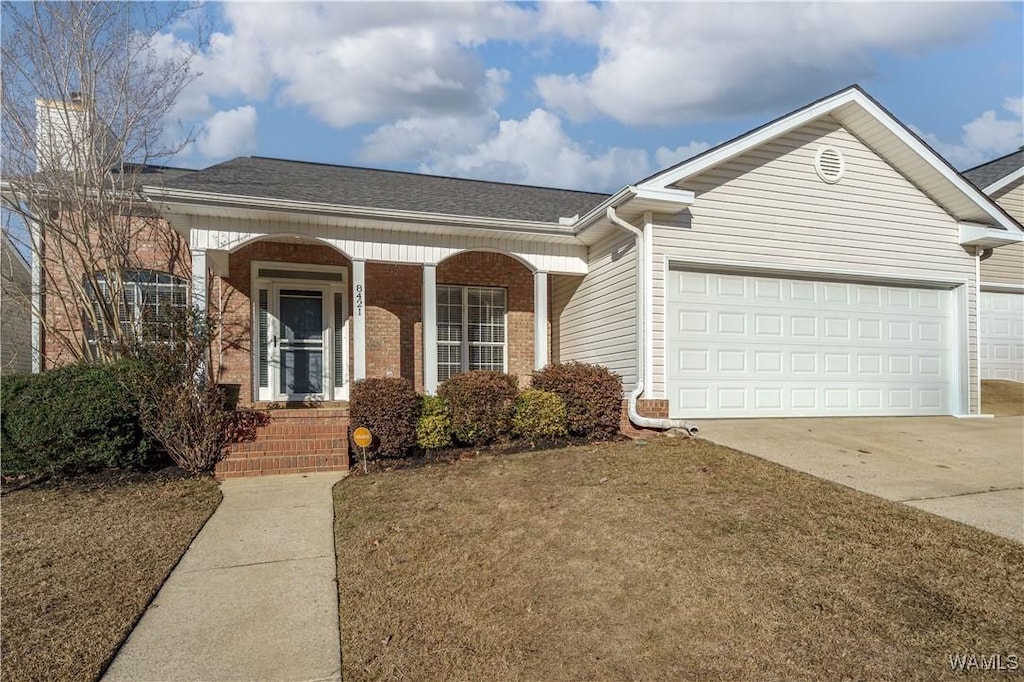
point(434, 429)
point(481, 404)
point(70, 420)
point(390, 408)
point(592, 395)
point(539, 414)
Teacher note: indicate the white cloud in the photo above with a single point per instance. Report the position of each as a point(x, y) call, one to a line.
point(668, 63)
point(665, 157)
point(228, 133)
point(351, 63)
point(536, 150)
point(987, 137)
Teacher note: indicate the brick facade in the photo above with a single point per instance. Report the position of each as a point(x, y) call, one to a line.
point(316, 439)
point(155, 246)
point(394, 301)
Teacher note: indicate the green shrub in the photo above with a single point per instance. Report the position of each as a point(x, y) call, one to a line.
point(481, 403)
point(592, 395)
point(539, 414)
point(390, 408)
point(434, 428)
point(70, 420)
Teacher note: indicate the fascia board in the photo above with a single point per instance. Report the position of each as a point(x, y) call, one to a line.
point(1002, 182)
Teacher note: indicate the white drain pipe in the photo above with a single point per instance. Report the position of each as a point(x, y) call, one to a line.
point(641, 344)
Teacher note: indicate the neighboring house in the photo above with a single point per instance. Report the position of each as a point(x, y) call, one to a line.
point(821, 265)
point(15, 309)
point(1001, 336)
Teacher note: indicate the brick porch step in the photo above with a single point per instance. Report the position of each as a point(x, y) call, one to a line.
point(296, 440)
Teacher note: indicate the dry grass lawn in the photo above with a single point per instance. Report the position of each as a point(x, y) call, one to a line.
point(675, 559)
point(80, 564)
point(1002, 398)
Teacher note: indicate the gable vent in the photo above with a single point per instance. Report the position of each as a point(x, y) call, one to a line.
point(830, 164)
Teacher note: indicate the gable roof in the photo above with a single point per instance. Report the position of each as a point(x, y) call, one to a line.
point(993, 175)
point(877, 128)
point(267, 178)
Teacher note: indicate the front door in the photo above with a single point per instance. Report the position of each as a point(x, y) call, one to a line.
point(302, 332)
point(299, 332)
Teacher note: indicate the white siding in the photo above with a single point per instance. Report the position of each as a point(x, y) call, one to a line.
point(1006, 265)
point(407, 246)
point(769, 208)
point(595, 316)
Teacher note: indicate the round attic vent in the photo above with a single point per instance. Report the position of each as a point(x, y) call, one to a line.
point(830, 164)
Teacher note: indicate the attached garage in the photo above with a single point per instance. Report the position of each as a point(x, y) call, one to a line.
point(1001, 335)
point(742, 345)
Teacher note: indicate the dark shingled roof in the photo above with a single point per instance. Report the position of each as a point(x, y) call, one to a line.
point(988, 173)
point(262, 177)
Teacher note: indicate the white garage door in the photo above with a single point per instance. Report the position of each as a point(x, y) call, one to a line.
point(742, 346)
point(1002, 336)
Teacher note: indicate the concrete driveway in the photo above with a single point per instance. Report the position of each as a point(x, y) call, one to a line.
point(969, 470)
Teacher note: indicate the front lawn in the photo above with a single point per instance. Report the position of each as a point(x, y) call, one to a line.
point(82, 560)
point(672, 559)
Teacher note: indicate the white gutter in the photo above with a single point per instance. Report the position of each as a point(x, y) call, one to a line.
point(644, 291)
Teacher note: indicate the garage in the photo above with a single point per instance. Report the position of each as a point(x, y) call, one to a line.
point(1001, 335)
point(742, 345)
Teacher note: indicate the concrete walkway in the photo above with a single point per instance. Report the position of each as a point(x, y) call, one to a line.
point(254, 598)
point(968, 470)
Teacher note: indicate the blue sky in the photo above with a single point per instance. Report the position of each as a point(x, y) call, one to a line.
point(586, 96)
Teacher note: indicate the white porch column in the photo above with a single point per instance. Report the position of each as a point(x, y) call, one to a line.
point(199, 268)
point(359, 319)
point(429, 329)
point(199, 302)
point(540, 319)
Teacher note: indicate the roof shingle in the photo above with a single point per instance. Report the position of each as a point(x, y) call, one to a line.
point(992, 171)
point(263, 177)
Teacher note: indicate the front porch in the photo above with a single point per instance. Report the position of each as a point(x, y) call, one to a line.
point(300, 321)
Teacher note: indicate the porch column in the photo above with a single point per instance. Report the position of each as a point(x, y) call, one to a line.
point(199, 281)
point(429, 329)
point(540, 319)
point(359, 319)
point(199, 304)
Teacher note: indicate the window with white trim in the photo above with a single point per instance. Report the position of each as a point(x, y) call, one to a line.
point(470, 329)
point(149, 303)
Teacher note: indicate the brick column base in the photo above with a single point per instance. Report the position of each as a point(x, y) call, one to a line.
point(657, 409)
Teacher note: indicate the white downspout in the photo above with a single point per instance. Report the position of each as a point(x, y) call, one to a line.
point(641, 359)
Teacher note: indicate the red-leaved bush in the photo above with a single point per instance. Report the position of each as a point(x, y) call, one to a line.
point(592, 396)
point(390, 408)
point(481, 404)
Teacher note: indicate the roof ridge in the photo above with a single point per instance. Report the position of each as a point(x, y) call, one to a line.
point(419, 175)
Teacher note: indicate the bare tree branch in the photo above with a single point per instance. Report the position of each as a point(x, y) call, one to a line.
point(88, 93)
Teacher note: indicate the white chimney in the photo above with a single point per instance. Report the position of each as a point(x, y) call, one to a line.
point(68, 137)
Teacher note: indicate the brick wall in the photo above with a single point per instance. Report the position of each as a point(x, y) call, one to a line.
point(476, 268)
point(232, 294)
point(155, 246)
point(394, 299)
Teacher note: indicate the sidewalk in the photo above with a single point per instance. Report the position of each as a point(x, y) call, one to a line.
point(254, 598)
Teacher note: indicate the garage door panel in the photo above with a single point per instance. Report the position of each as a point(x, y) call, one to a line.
point(759, 346)
point(781, 399)
point(1001, 336)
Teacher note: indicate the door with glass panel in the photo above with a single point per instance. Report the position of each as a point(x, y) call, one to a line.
point(302, 330)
